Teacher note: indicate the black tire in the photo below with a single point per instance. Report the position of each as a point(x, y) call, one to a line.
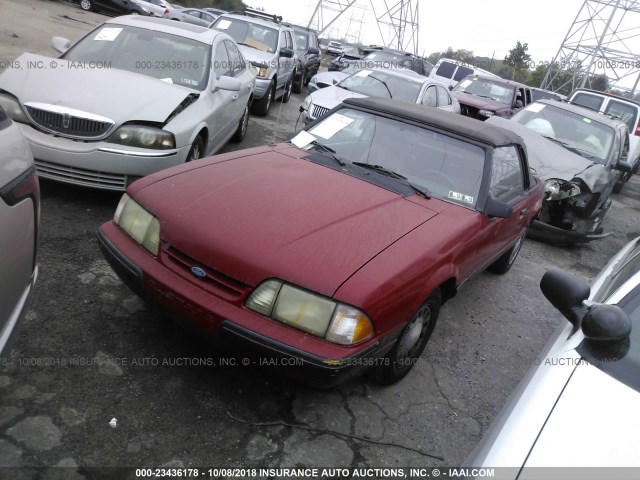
point(134, 12)
point(297, 84)
point(286, 95)
point(86, 5)
point(261, 107)
point(242, 127)
point(308, 79)
point(196, 150)
point(508, 258)
point(411, 343)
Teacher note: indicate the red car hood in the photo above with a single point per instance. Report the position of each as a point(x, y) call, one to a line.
point(271, 214)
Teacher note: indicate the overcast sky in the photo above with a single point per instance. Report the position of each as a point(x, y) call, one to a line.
point(487, 27)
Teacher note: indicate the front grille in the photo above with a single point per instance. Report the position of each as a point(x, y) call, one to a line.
point(219, 282)
point(81, 176)
point(468, 111)
point(318, 112)
point(66, 124)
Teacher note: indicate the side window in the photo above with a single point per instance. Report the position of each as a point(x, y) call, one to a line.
point(221, 63)
point(593, 102)
point(314, 41)
point(444, 99)
point(430, 97)
point(446, 70)
point(207, 17)
point(289, 40)
point(235, 57)
point(461, 73)
point(506, 175)
point(528, 94)
point(520, 97)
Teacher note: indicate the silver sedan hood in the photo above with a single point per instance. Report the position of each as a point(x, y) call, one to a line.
point(553, 161)
point(109, 92)
point(331, 96)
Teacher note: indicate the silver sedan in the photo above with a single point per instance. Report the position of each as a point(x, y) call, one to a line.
point(192, 15)
point(134, 96)
point(578, 406)
point(19, 212)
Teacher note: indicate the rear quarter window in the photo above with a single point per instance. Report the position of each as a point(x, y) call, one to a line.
point(594, 102)
point(461, 73)
point(624, 111)
point(446, 69)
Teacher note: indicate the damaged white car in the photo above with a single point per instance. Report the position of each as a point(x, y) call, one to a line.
point(134, 96)
point(581, 155)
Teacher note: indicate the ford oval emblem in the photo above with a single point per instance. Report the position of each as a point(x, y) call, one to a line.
point(198, 272)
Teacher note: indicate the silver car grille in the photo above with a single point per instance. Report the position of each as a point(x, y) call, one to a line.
point(68, 122)
point(318, 112)
point(81, 176)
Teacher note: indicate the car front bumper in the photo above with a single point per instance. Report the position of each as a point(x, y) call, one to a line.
point(96, 164)
point(233, 327)
point(261, 88)
point(549, 233)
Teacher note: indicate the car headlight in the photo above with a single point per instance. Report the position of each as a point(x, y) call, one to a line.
point(143, 137)
point(12, 107)
point(486, 113)
point(138, 223)
point(556, 189)
point(261, 70)
point(310, 312)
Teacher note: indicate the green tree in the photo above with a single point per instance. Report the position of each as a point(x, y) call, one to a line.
point(519, 60)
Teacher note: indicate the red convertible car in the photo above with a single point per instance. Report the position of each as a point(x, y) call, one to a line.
point(336, 249)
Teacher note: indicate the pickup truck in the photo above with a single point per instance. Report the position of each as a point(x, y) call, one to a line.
point(482, 97)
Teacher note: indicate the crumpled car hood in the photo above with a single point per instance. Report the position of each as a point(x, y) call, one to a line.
point(331, 96)
point(551, 160)
point(479, 102)
point(116, 94)
point(253, 216)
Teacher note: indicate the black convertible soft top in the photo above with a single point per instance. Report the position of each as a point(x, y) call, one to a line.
point(450, 122)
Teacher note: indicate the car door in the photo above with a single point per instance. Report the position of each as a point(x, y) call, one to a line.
point(444, 99)
point(283, 74)
point(222, 105)
point(430, 97)
point(509, 184)
point(241, 71)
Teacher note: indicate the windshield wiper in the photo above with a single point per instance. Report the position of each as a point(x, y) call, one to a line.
point(383, 83)
point(329, 150)
point(247, 45)
point(564, 144)
point(391, 174)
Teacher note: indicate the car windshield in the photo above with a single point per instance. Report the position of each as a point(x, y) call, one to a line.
point(483, 87)
point(447, 167)
point(376, 83)
point(302, 41)
point(579, 134)
point(250, 34)
point(170, 58)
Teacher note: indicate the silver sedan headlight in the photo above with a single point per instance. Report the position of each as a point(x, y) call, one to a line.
point(557, 189)
point(143, 137)
point(310, 312)
point(138, 223)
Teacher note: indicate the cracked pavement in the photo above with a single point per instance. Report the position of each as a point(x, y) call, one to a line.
point(89, 350)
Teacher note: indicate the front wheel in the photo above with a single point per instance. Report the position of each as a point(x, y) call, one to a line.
point(86, 5)
point(503, 264)
point(297, 84)
point(408, 348)
point(196, 150)
point(261, 107)
point(287, 90)
point(242, 126)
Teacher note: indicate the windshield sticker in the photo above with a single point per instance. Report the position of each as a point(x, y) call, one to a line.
point(586, 120)
point(223, 24)
point(460, 197)
point(108, 34)
point(465, 83)
point(302, 139)
point(332, 125)
point(189, 81)
point(535, 107)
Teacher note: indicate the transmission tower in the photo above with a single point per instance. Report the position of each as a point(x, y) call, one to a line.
point(327, 12)
point(600, 42)
point(401, 20)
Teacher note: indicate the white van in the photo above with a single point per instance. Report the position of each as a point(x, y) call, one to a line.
point(450, 72)
point(623, 108)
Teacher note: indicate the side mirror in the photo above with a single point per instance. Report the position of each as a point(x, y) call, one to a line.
point(606, 325)
point(566, 292)
point(227, 83)
point(450, 88)
point(314, 51)
point(60, 44)
point(286, 53)
point(623, 166)
point(496, 208)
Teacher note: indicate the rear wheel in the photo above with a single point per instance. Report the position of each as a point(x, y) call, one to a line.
point(297, 84)
point(287, 90)
point(261, 106)
point(508, 258)
point(408, 348)
point(86, 5)
point(197, 149)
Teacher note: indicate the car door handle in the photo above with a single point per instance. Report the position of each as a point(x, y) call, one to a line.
point(523, 212)
point(235, 96)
